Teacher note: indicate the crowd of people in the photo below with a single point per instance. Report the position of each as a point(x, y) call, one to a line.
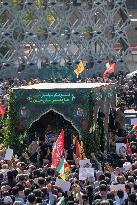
point(128, 91)
point(25, 181)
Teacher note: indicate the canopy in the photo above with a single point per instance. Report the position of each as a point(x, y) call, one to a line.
point(45, 86)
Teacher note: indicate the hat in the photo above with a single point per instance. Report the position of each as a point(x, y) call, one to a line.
point(7, 199)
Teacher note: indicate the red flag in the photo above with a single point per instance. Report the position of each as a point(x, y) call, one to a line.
point(58, 150)
point(104, 75)
point(110, 68)
point(2, 110)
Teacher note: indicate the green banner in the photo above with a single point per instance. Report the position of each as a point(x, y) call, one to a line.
point(51, 98)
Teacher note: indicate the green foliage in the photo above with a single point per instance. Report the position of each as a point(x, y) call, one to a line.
point(97, 140)
point(87, 141)
point(10, 132)
point(8, 124)
point(92, 139)
point(1, 124)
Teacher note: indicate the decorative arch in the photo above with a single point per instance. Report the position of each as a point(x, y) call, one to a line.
point(57, 121)
point(43, 113)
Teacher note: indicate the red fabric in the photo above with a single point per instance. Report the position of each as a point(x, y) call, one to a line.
point(2, 110)
point(66, 165)
point(104, 75)
point(110, 68)
point(58, 150)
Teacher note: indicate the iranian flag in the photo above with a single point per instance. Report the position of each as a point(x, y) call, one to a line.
point(63, 169)
point(58, 150)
